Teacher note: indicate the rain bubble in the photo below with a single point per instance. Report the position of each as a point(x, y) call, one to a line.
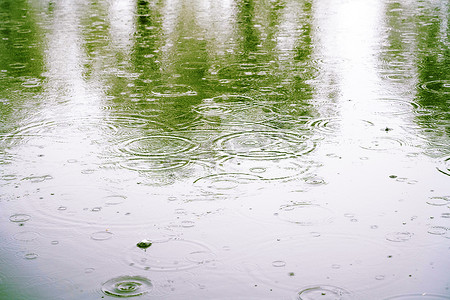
point(127, 286)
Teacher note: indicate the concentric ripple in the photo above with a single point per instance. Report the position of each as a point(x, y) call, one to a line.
point(264, 144)
point(325, 292)
point(332, 125)
point(236, 71)
point(157, 145)
point(170, 255)
point(383, 143)
point(273, 169)
point(424, 296)
point(444, 166)
point(173, 90)
point(153, 164)
point(127, 286)
point(437, 86)
point(19, 218)
point(305, 214)
point(337, 257)
point(399, 236)
point(226, 183)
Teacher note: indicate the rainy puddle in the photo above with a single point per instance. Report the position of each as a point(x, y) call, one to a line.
point(224, 149)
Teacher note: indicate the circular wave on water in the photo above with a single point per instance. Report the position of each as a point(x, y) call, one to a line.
point(437, 86)
point(153, 165)
point(60, 129)
point(325, 292)
point(226, 183)
point(264, 144)
point(170, 255)
point(320, 257)
point(332, 125)
point(424, 296)
point(157, 145)
point(234, 114)
point(396, 107)
point(305, 214)
point(383, 143)
point(173, 90)
point(268, 169)
point(444, 166)
point(242, 70)
point(127, 286)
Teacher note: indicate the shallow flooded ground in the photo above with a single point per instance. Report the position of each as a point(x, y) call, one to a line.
point(232, 149)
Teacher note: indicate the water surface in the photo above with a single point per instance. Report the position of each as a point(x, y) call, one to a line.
point(236, 149)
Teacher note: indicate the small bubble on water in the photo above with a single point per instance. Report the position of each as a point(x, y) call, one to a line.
point(374, 227)
point(62, 208)
point(89, 270)
point(54, 242)
point(96, 209)
point(379, 277)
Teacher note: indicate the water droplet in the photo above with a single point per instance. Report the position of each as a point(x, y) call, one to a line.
point(278, 263)
point(144, 244)
point(399, 236)
point(324, 292)
point(172, 255)
point(127, 286)
point(19, 218)
point(101, 235)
